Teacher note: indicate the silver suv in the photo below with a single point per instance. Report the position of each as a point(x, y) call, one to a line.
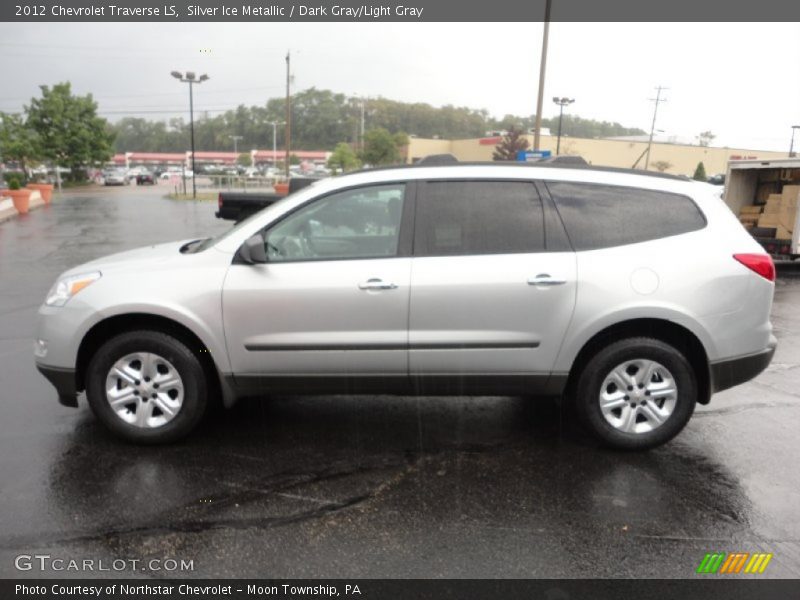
point(636, 296)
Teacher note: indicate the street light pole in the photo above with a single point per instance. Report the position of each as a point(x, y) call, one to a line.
point(275, 143)
point(191, 126)
point(191, 79)
point(362, 125)
point(236, 139)
point(288, 117)
point(562, 102)
point(792, 153)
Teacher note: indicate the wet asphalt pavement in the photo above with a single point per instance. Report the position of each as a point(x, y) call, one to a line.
point(374, 486)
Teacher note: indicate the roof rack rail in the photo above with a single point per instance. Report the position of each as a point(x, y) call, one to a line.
point(437, 159)
point(557, 162)
point(565, 159)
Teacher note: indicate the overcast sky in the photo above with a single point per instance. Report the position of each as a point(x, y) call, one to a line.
point(741, 81)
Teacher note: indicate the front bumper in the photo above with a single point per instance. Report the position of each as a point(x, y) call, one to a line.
point(64, 382)
point(728, 373)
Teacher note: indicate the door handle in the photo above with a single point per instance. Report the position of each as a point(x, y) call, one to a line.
point(377, 284)
point(545, 279)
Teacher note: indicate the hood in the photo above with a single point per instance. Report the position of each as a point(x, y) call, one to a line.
point(149, 255)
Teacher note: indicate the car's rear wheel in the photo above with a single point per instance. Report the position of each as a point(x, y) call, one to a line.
point(147, 387)
point(636, 393)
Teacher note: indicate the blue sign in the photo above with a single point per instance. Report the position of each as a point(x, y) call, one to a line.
point(532, 156)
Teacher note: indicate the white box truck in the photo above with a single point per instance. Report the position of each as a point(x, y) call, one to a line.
point(752, 184)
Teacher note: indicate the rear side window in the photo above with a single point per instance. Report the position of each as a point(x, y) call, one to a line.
point(602, 216)
point(478, 217)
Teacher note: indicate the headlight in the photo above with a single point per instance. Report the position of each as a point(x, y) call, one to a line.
point(66, 287)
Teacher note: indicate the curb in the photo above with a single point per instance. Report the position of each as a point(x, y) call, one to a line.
point(8, 212)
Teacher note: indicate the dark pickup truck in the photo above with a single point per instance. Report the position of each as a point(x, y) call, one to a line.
point(236, 206)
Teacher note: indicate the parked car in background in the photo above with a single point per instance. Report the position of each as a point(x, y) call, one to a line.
point(173, 172)
point(116, 177)
point(635, 296)
point(145, 178)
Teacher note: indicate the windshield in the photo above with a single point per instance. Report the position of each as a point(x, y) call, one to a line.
point(208, 242)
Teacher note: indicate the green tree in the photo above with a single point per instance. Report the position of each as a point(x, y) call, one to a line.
point(400, 139)
point(381, 147)
point(700, 172)
point(245, 159)
point(705, 138)
point(18, 142)
point(134, 134)
point(511, 143)
point(322, 118)
point(343, 158)
point(69, 130)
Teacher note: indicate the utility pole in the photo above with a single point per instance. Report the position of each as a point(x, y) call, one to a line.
point(658, 99)
point(542, 67)
point(288, 129)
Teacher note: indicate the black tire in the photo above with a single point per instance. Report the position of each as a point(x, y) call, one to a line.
point(590, 381)
point(195, 385)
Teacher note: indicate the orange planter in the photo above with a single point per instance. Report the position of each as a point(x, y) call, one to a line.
point(282, 188)
point(46, 189)
point(21, 198)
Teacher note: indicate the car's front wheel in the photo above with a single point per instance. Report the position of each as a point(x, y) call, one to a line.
point(636, 393)
point(147, 387)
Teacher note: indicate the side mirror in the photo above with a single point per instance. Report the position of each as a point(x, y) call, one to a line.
point(253, 251)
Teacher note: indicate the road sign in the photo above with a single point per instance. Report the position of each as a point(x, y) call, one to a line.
point(532, 156)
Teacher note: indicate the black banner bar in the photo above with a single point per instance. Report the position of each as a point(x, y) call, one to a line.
point(711, 588)
point(266, 11)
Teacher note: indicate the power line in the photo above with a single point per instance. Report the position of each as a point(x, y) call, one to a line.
point(126, 48)
point(159, 94)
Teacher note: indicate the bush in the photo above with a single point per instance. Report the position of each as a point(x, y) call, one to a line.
point(14, 180)
point(700, 172)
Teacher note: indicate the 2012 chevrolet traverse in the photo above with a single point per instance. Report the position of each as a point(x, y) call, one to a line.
point(636, 295)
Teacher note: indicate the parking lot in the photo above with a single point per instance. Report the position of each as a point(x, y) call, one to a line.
point(374, 486)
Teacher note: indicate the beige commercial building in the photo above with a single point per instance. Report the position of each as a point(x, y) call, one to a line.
point(678, 159)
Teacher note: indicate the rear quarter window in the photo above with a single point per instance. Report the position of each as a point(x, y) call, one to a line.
point(602, 216)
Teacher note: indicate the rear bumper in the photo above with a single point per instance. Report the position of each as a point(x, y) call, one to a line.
point(64, 382)
point(728, 373)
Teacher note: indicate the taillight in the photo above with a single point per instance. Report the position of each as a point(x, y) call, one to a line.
point(219, 200)
point(759, 263)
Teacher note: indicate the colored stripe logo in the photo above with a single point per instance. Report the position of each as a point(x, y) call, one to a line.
point(723, 563)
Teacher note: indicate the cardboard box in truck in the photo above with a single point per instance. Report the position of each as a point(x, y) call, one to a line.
point(790, 194)
point(750, 210)
point(769, 220)
point(773, 205)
